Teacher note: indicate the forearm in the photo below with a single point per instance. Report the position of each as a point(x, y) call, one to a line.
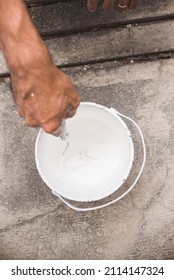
point(19, 39)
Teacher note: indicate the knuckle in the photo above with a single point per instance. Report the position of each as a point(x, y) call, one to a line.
point(76, 101)
point(20, 112)
point(51, 128)
point(31, 122)
point(48, 129)
point(28, 122)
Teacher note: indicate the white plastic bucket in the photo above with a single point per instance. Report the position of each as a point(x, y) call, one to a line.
point(94, 161)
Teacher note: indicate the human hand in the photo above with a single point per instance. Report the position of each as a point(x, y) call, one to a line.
point(120, 5)
point(44, 96)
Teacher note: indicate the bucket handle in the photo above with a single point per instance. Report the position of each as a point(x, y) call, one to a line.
point(129, 189)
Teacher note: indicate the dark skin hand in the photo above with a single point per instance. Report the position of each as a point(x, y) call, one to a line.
point(120, 5)
point(43, 94)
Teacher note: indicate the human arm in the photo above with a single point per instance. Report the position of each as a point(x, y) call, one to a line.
point(43, 94)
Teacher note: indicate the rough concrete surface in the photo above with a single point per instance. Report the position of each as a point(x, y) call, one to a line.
point(74, 15)
point(141, 37)
point(35, 224)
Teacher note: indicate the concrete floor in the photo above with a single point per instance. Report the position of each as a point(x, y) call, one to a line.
point(34, 224)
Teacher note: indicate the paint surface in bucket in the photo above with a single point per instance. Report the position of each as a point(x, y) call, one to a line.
point(97, 159)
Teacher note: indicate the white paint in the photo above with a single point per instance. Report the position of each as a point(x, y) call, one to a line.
point(96, 162)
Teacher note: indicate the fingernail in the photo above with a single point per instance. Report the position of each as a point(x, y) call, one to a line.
point(92, 11)
point(57, 132)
